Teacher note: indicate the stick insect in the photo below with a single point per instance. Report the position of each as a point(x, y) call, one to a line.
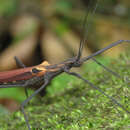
point(41, 75)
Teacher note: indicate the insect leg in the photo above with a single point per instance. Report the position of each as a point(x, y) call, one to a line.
point(21, 65)
point(103, 50)
point(97, 88)
point(12, 86)
point(106, 68)
point(28, 99)
point(19, 62)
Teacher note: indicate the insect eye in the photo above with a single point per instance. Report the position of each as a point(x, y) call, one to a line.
point(34, 70)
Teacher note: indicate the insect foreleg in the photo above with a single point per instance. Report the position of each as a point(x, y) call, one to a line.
point(29, 98)
point(97, 88)
point(103, 50)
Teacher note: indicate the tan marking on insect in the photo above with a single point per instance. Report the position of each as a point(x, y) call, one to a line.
point(45, 63)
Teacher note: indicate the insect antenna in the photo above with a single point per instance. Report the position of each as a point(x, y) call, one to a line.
point(84, 38)
point(84, 27)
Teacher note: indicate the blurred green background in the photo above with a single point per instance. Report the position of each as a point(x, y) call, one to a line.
point(51, 30)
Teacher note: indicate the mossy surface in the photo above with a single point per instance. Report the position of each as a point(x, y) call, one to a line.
point(71, 104)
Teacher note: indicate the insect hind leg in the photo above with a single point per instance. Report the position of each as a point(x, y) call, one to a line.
point(97, 88)
point(106, 68)
point(21, 65)
point(19, 62)
point(126, 80)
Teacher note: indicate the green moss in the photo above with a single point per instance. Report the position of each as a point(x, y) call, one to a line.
point(76, 106)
